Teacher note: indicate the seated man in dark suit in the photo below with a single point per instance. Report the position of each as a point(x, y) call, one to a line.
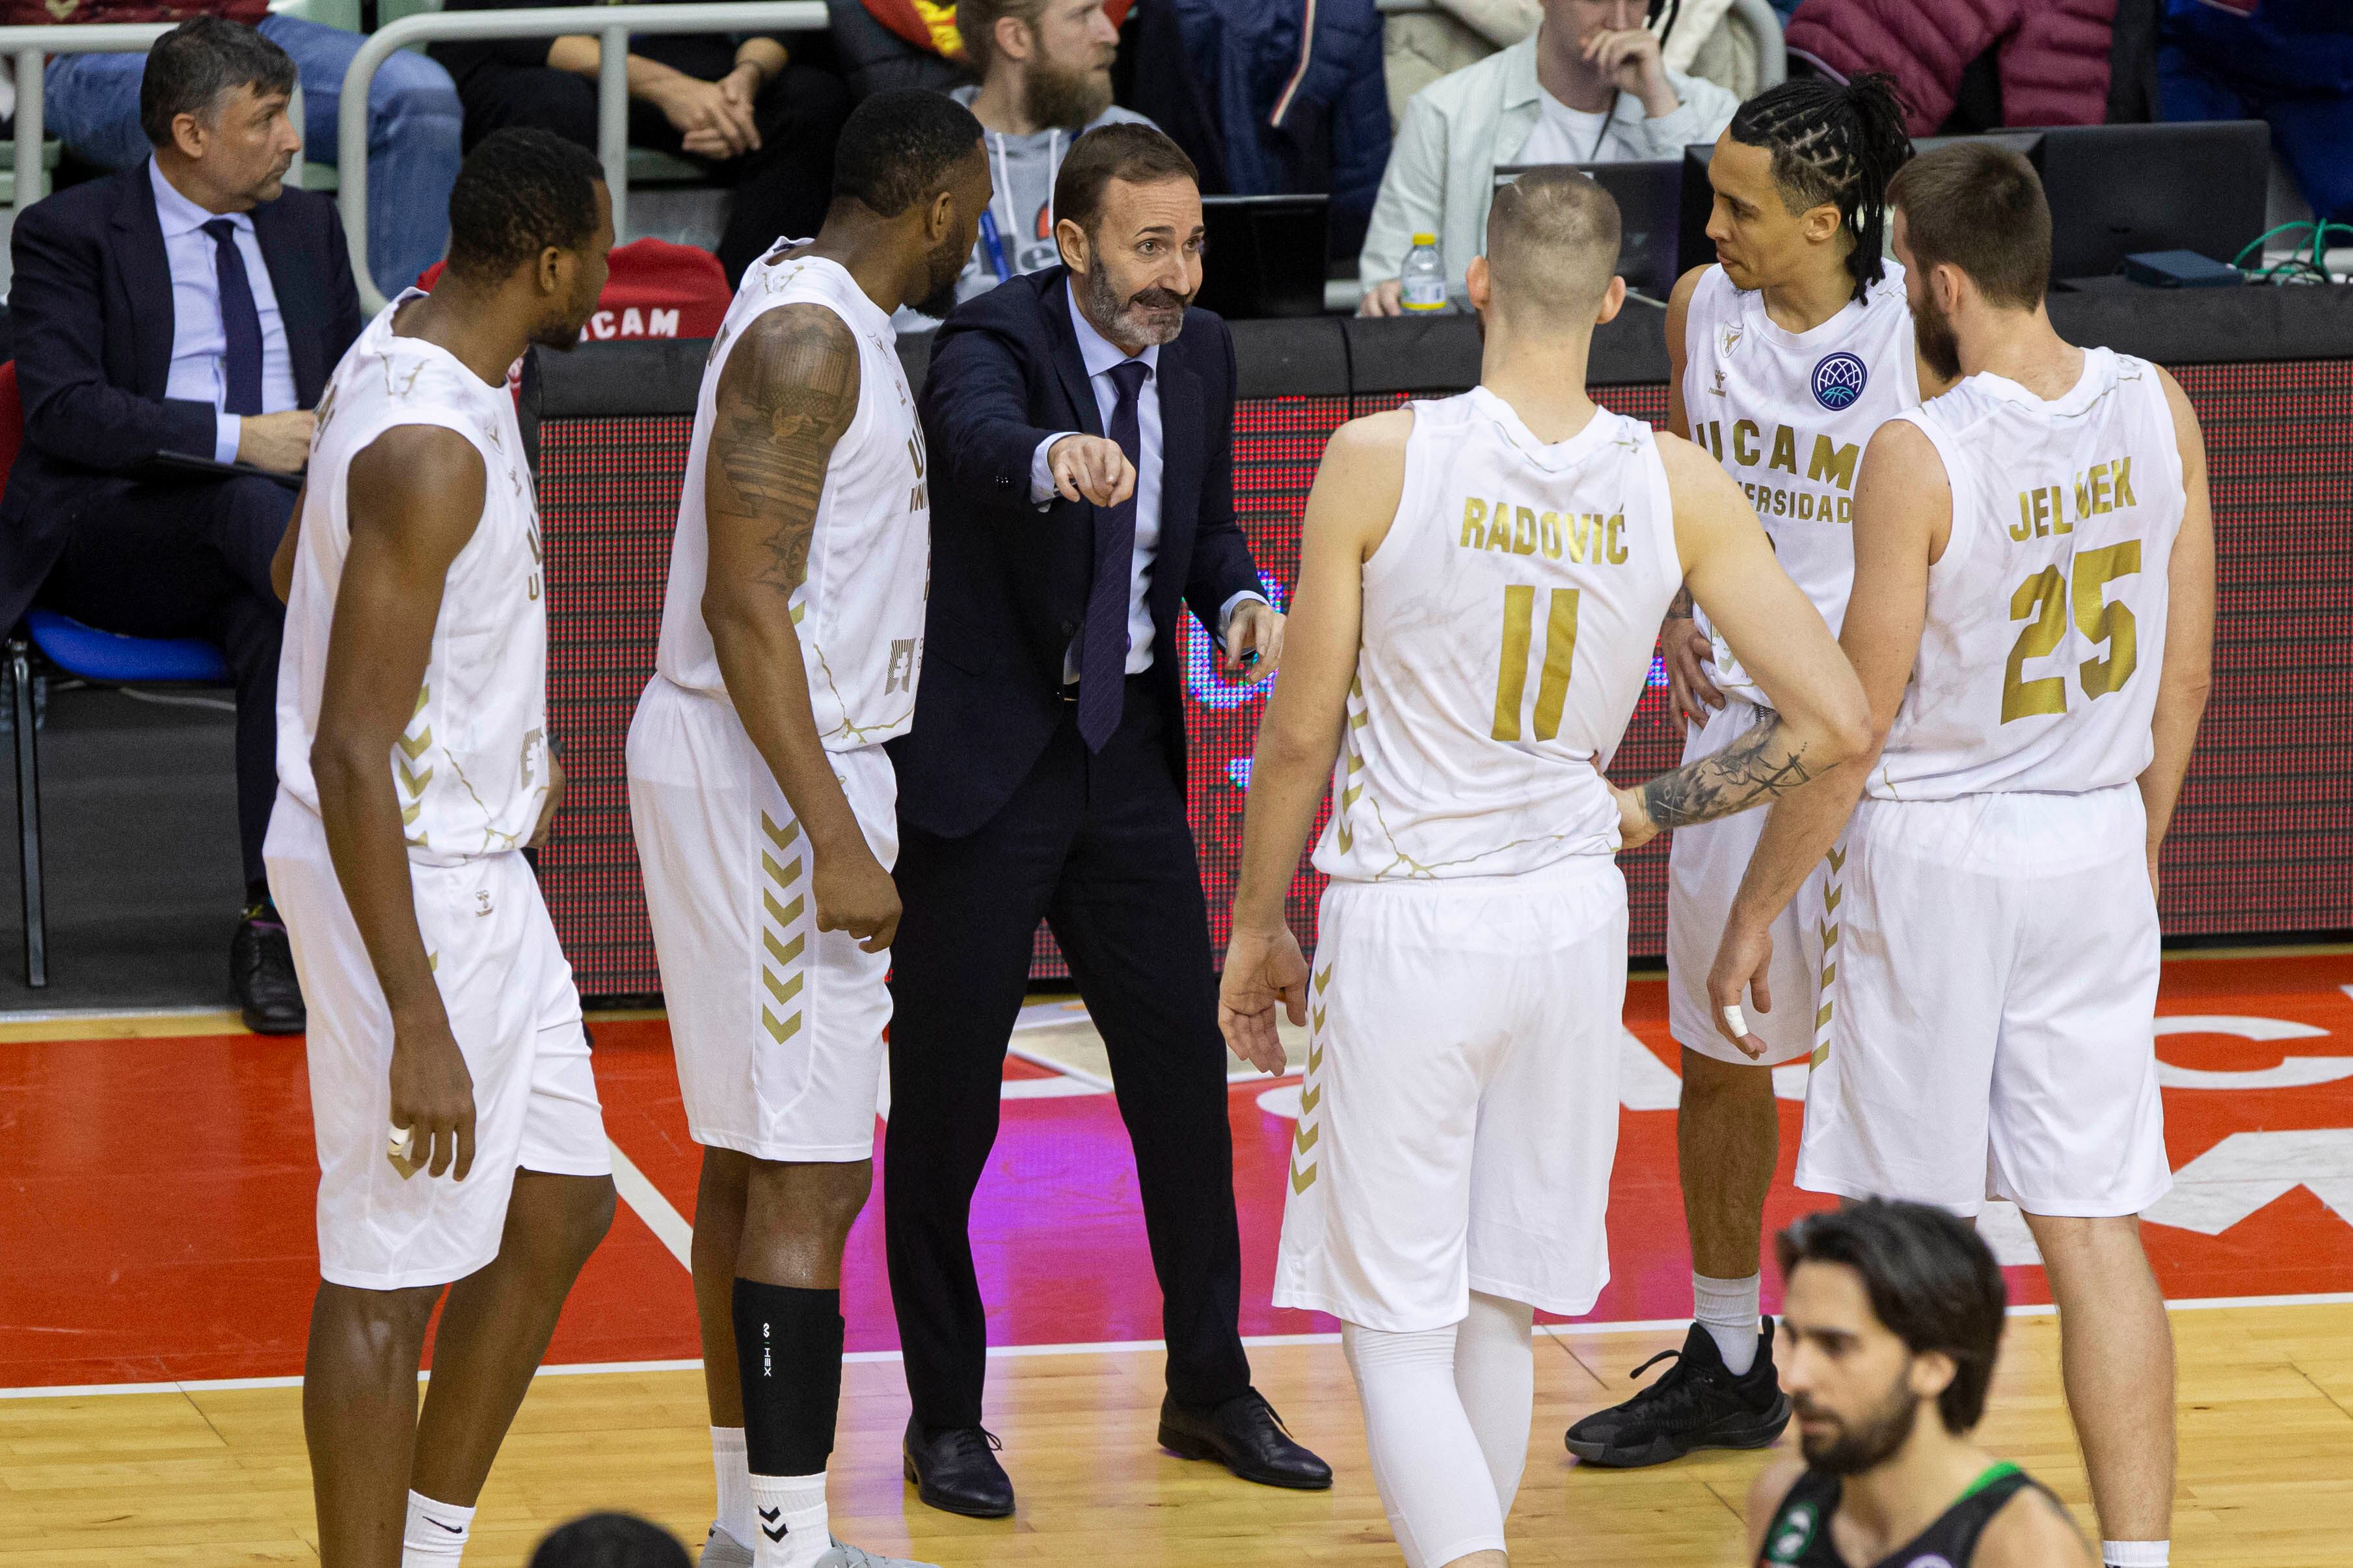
point(1079, 423)
point(193, 306)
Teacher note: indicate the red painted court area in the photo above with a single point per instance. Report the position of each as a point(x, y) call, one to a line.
point(156, 1222)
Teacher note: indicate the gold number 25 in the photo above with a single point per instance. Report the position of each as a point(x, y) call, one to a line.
point(1512, 674)
point(2043, 600)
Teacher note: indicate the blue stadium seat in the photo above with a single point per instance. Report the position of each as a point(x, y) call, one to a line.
point(94, 655)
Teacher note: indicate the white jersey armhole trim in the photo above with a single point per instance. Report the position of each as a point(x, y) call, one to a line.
point(1959, 538)
point(1406, 493)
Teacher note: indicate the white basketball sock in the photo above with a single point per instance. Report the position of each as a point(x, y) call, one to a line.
point(1496, 1375)
point(1728, 1309)
point(788, 1522)
point(1427, 1464)
point(435, 1535)
point(733, 1473)
point(2135, 1553)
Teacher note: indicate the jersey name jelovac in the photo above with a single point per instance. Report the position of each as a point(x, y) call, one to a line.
point(2045, 631)
point(470, 769)
point(1509, 616)
point(1788, 415)
point(860, 610)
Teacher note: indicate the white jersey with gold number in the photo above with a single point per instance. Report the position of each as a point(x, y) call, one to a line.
point(1788, 415)
point(1509, 617)
point(2046, 612)
point(472, 768)
point(859, 611)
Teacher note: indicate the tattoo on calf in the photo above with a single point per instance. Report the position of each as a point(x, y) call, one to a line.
point(788, 394)
point(1763, 763)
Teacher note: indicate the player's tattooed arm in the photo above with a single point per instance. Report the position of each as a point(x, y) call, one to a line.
point(1681, 607)
point(1768, 761)
point(788, 391)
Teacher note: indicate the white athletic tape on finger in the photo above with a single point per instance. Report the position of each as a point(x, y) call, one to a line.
point(1736, 1021)
point(402, 1152)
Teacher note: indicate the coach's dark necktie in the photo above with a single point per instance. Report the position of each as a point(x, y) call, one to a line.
point(240, 321)
point(1102, 653)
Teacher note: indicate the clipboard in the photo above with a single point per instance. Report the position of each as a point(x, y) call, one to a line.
point(181, 466)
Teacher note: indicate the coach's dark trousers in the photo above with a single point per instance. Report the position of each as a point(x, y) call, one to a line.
point(1098, 846)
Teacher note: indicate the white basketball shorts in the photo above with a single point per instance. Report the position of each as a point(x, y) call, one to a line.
point(1460, 1112)
point(508, 990)
point(1704, 864)
point(777, 1026)
point(1991, 1009)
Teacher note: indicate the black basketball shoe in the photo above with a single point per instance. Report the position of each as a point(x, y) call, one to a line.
point(1696, 1404)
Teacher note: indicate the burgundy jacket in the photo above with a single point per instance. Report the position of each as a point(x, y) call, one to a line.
point(2053, 59)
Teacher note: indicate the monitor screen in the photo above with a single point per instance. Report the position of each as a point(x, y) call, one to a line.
point(2119, 189)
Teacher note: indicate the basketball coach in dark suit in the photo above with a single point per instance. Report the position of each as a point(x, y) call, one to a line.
point(190, 307)
point(1079, 427)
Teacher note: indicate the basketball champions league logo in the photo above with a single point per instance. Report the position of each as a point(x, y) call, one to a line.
point(1837, 381)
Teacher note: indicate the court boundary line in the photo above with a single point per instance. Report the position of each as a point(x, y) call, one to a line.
point(1104, 1347)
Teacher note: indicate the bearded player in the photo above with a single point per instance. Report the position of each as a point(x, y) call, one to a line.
point(763, 801)
point(1892, 1316)
point(1784, 357)
point(2032, 619)
point(1480, 582)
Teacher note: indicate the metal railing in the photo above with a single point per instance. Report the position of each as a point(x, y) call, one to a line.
point(609, 24)
point(1772, 52)
point(31, 47)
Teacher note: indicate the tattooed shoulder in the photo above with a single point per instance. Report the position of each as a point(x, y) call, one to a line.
point(788, 392)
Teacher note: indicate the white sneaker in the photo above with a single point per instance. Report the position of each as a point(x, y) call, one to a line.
point(723, 1550)
point(844, 1555)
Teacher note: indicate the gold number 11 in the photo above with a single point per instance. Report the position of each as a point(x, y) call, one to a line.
point(1512, 675)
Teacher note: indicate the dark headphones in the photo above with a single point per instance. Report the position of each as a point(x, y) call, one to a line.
point(1674, 10)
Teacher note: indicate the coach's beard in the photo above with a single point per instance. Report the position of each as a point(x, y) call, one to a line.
point(1154, 316)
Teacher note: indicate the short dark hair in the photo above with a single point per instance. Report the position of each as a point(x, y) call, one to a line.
point(189, 68)
point(1979, 206)
point(517, 192)
point(1837, 143)
point(608, 1540)
point(897, 148)
point(1929, 1278)
point(1140, 154)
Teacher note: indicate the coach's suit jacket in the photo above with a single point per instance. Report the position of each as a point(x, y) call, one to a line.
point(92, 304)
point(1010, 582)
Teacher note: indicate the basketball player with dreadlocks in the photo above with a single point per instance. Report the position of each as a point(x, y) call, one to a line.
point(1785, 355)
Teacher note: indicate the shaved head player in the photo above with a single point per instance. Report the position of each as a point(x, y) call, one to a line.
point(1481, 582)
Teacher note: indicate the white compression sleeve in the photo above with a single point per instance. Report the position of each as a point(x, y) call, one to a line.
point(1427, 1462)
point(1496, 1373)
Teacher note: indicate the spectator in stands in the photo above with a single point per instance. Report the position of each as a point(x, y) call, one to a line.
point(1586, 87)
point(884, 44)
point(2286, 62)
point(608, 1540)
point(2050, 57)
point(1045, 81)
point(91, 103)
point(750, 114)
point(192, 307)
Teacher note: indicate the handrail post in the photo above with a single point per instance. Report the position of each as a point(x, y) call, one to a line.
point(30, 186)
point(613, 120)
point(351, 160)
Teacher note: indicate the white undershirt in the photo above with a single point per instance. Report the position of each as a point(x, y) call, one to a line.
point(1563, 135)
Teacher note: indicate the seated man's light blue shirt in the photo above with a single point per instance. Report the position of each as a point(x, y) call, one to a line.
point(199, 341)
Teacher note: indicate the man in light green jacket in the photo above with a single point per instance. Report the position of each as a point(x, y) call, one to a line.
point(1588, 87)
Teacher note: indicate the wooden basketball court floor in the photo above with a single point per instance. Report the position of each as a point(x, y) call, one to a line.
point(157, 1259)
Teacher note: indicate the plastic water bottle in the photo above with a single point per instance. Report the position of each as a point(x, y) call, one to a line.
point(1421, 285)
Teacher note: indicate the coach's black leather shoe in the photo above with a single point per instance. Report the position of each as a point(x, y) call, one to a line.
point(1247, 1436)
point(956, 1470)
point(1697, 1404)
point(262, 968)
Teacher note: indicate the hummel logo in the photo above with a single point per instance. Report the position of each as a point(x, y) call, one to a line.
point(779, 1529)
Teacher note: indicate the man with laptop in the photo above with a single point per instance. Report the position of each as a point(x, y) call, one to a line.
point(1587, 87)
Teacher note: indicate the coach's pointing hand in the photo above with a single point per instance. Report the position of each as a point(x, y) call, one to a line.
point(432, 1092)
point(1262, 968)
point(856, 895)
point(1091, 467)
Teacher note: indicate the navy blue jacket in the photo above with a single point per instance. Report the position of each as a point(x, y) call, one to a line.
point(1010, 582)
point(91, 305)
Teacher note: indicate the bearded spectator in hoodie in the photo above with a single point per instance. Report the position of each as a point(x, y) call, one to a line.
point(1045, 81)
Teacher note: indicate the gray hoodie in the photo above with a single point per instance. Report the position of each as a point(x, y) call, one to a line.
point(1023, 168)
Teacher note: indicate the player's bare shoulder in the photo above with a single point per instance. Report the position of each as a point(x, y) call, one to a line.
point(2032, 1530)
point(1362, 481)
point(1766, 1493)
point(797, 361)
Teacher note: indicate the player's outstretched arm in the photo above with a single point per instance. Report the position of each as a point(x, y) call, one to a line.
point(1818, 720)
point(416, 498)
point(789, 391)
point(1903, 513)
point(2188, 674)
point(1349, 513)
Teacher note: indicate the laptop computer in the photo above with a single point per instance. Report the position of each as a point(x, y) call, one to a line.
point(1264, 255)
